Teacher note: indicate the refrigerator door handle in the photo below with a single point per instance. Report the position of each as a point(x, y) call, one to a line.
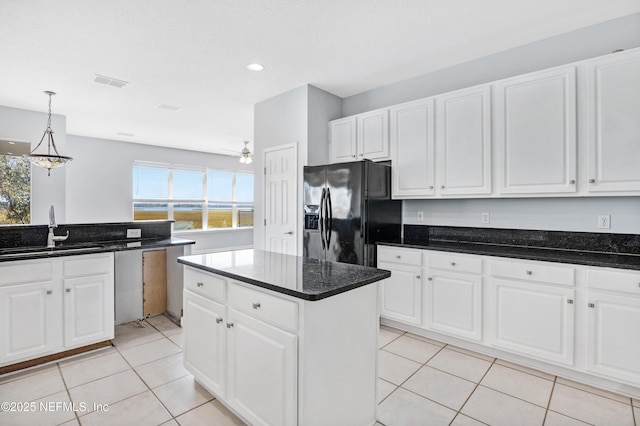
point(329, 218)
point(320, 219)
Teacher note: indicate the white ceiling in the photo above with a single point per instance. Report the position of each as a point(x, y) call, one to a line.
point(193, 53)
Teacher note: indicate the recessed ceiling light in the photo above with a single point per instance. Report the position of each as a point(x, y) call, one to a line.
point(11, 143)
point(169, 107)
point(255, 67)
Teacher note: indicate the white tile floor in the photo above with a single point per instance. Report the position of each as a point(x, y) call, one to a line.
point(422, 382)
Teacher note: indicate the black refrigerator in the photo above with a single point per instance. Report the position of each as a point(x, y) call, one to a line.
point(347, 209)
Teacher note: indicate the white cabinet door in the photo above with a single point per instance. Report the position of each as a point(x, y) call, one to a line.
point(262, 371)
point(343, 142)
point(532, 319)
point(412, 148)
point(205, 341)
point(401, 294)
point(88, 310)
point(613, 118)
point(535, 129)
point(30, 320)
point(454, 304)
point(613, 342)
point(373, 135)
point(463, 142)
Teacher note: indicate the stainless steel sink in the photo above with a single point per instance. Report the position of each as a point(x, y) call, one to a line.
point(33, 251)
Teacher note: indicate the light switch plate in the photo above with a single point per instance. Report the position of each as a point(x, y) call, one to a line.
point(486, 218)
point(604, 221)
point(134, 233)
point(420, 216)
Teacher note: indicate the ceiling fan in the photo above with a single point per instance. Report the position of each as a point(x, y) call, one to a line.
point(246, 157)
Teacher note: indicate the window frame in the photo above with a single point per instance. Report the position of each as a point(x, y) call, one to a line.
point(204, 201)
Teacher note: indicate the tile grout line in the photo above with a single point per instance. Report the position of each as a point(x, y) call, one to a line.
point(66, 388)
point(472, 392)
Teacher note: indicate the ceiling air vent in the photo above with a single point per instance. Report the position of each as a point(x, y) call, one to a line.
point(110, 81)
point(169, 107)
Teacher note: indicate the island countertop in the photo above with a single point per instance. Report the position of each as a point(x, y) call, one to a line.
point(308, 279)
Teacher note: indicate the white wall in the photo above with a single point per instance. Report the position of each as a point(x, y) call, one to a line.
point(570, 214)
point(99, 184)
point(28, 126)
point(277, 121)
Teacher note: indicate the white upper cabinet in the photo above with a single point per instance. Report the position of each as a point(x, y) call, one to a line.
point(535, 131)
point(359, 137)
point(613, 122)
point(412, 148)
point(463, 142)
point(373, 135)
point(342, 146)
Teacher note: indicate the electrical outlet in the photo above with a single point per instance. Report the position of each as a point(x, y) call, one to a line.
point(420, 216)
point(486, 218)
point(134, 233)
point(604, 221)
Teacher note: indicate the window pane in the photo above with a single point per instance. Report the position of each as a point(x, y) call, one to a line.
point(244, 187)
point(150, 211)
point(219, 215)
point(245, 215)
point(187, 185)
point(150, 183)
point(219, 186)
point(15, 190)
point(187, 216)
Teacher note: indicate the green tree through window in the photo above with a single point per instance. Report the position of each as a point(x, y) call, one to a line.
point(15, 190)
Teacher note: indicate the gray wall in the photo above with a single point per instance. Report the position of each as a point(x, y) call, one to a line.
point(570, 47)
point(571, 214)
point(99, 184)
point(323, 107)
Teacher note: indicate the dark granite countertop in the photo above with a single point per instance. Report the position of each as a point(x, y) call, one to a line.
point(308, 279)
point(61, 249)
point(559, 255)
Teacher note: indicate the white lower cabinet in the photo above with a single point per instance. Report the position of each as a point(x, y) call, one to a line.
point(277, 360)
point(533, 319)
point(52, 305)
point(401, 294)
point(453, 302)
point(613, 324)
point(262, 371)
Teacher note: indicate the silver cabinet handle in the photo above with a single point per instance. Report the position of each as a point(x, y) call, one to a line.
point(68, 290)
point(591, 305)
point(229, 324)
point(417, 276)
point(570, 301)
point(430, 186)
point(288, 233)
point(256, 305)
point(398, 256)
point(453, 263)
point(430, 279)
point(219, 320)
point(361, 155)
point(49, 291)
point(199, 284)
point(354, 156)
point(441, 186)
point(529, 272)
point(592, 181)
point(572, 182)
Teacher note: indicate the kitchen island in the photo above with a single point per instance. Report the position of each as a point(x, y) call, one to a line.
point(281, 339)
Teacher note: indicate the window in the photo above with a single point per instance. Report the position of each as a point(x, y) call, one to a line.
point(15, 190)
point(193, 198)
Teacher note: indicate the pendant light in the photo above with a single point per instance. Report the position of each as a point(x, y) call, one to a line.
point(48, 160)
point(245, 157)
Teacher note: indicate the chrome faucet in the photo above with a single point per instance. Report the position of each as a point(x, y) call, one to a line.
point(51, 238)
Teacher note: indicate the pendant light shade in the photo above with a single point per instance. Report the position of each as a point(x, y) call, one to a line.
point(48, 161)
point(245, 154)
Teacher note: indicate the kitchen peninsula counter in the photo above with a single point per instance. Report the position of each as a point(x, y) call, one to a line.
point(281, 339)
point(303, 278)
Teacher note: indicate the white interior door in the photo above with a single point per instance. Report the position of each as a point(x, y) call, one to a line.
point(281, 186)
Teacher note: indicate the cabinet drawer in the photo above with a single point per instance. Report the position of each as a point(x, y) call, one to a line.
point(280, 312)
point(541, 272)
point(78, 266)
point(27, 271)
point(205, 284)
point(400, 255)
point(614, 280)
point(455, 263)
